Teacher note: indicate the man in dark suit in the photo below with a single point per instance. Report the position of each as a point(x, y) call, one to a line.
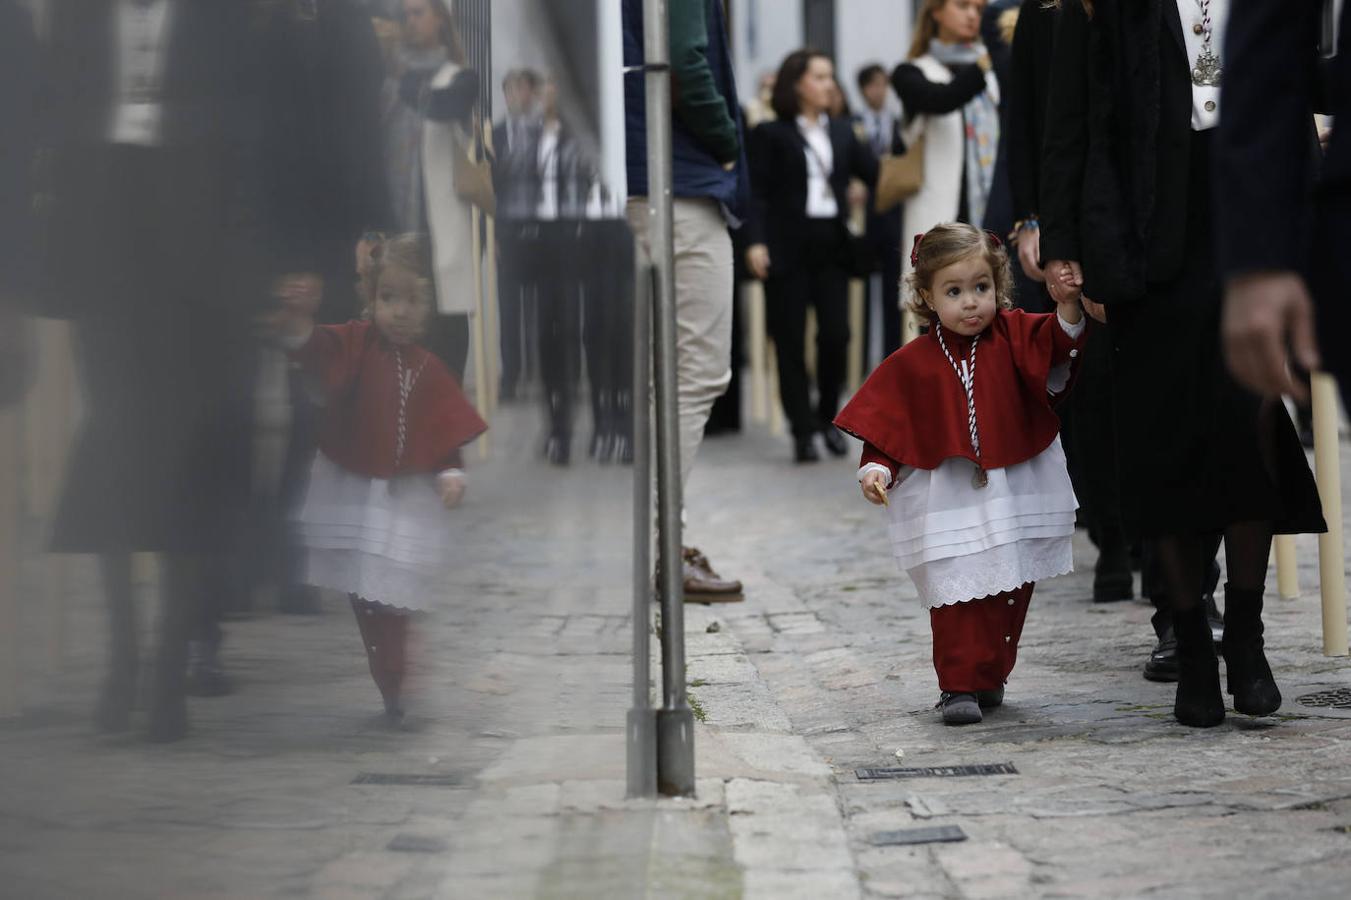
point(1281, 242)
point(882, 130)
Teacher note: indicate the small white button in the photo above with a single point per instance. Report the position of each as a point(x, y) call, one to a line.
point(1008, 638)
point(1074, 354)
point(1012, 601)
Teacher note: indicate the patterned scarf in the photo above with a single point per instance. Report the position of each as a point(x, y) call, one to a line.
point(403, 140)
point(981, 118)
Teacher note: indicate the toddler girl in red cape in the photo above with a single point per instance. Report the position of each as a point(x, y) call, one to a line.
point(962, 445)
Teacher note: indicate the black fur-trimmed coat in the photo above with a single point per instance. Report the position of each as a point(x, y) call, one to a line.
point(1115, 159)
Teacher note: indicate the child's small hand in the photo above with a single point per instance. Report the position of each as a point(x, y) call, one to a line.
point(874, 487)
point(450, 485)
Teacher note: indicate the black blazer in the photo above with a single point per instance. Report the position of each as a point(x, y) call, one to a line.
point(778, 164)
point(1116, 154)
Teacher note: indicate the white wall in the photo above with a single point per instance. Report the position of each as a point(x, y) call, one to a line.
point(777, 29)
point(868, 31)
point(865, 31)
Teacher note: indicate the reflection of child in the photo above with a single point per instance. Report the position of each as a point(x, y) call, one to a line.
point(980, 500)
point(373, 521)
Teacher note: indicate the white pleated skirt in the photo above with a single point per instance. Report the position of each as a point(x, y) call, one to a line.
point(959, 542)
point(387, 540)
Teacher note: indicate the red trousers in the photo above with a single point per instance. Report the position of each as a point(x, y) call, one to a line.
point(976, 642)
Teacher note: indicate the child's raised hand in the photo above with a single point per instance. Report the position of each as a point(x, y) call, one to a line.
point(450, 485)
point(874, 487)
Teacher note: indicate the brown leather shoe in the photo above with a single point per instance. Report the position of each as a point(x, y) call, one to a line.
point(703, 585)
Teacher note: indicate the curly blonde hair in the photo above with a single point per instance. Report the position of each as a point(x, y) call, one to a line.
point(944, 245)
point(410, 252)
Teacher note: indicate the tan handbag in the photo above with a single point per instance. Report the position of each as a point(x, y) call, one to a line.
point(899, 177)
point(473, 180)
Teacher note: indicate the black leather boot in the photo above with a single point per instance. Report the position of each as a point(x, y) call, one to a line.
point(1198, 703)
point(602, 434)
point(1249, 676)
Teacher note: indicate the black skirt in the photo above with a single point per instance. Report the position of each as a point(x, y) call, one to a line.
point(1198, 452)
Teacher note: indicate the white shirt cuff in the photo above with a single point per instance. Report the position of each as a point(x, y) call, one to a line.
point(874, 467)
point(451, 473)
point(1072, 330)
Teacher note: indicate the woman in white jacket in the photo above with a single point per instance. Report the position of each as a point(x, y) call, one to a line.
point(429, 115)
point(951, 103)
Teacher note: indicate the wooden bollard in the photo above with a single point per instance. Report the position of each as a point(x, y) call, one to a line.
point(1331, 557)
point(1287, 567)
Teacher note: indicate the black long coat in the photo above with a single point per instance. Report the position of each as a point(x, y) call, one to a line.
point(144, 248)
point(323, 172)
point(1115, 173)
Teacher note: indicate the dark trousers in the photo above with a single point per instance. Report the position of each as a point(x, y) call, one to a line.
point(607, 314)
point(557, 285)
point(515, 300)
point(821, 284)
point(884, 235)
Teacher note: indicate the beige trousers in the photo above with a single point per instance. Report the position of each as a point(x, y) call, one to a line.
point(704, 280)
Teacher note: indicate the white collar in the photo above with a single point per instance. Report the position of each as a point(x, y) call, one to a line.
point(806, 124)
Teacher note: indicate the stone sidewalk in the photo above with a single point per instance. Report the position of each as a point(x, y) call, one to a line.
point(512, 776)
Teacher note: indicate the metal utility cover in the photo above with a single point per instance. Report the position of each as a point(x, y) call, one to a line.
point(416, 843)
point(937, 834)
point(884, 774)
point(414, 780)
point(1337, 698)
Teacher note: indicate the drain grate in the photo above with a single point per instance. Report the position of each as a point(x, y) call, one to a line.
point(936, 772)
point(1337, 698)
point(937, 834)
point(414, 780)
point(416, 843)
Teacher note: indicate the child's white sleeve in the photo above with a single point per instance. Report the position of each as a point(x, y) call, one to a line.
point(875, 467)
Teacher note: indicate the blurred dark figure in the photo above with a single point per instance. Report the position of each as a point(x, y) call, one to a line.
point(144, 251)
point(322, 186)
point(1271, 171)
point(1025, 88)
point(607, 327)
point(18, 111)
point(996, 31)
point(564, 177)
point(324, 174)
point(882, 130)
point(515, 180)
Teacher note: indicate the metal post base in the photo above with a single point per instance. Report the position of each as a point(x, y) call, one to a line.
point(675, 752)
point(641, 738)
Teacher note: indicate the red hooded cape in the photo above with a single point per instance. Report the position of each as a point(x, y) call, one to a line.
point(357, 369)
point(913, 406)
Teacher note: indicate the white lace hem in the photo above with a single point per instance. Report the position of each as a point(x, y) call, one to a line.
point(960, 579)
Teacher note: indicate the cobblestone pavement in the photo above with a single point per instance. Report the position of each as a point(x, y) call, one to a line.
point(520, 708)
